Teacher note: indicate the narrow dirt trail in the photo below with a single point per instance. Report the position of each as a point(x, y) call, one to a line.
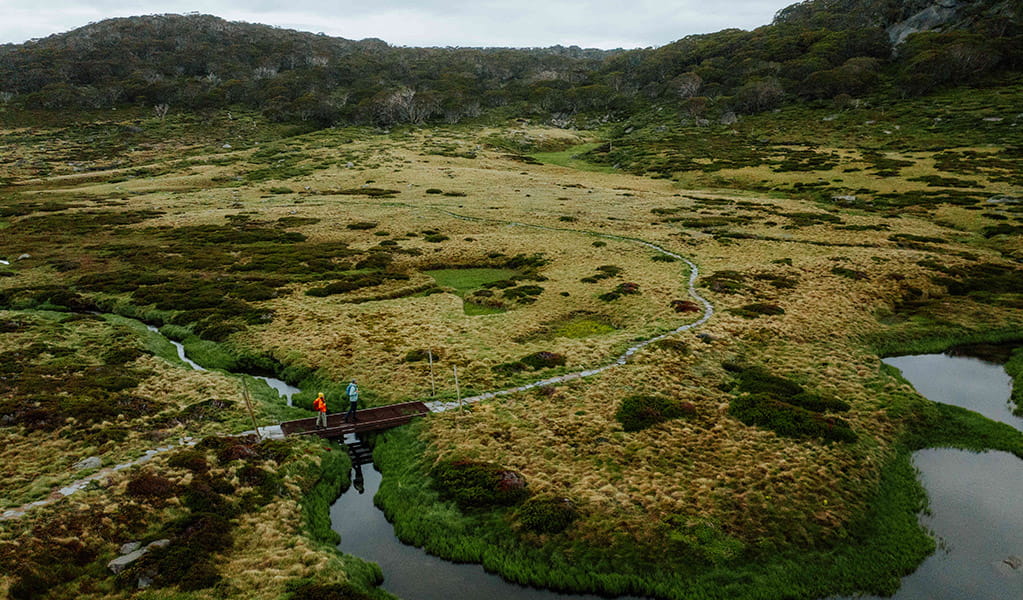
point(694, 273)
point(437, 405)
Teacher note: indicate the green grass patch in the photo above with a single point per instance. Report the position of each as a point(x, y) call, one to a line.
point(580, 326)
point(572, 158)
point(463, 281)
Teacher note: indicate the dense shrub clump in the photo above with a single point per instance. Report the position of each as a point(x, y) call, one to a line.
point(639, 412)
point(756, 309)
point(535, 361)
point(783, 406)
point(547, 514)
point(473, 484)
point(622, 289)
point(326, 591)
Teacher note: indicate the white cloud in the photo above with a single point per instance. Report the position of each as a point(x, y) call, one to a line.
point(593, 23)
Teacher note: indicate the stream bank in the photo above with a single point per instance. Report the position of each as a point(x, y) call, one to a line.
point(975, 511)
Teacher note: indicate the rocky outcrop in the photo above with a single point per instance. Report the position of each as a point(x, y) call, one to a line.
point(131, 552)
point(935, 16)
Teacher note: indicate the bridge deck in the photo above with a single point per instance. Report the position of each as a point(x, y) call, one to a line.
point(370, 419)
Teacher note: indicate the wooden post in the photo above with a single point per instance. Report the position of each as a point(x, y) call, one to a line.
point(433, 384)
point(458, 391)
point(248, 404)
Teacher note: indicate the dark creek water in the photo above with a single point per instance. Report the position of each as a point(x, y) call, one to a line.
point(283, 389)
point(409, 572)
point(976, 511)
point(976, 500)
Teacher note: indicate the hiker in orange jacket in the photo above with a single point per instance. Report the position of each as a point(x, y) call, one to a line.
point(320, 406)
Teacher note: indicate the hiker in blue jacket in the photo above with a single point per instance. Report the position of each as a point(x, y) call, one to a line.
point(353, 401)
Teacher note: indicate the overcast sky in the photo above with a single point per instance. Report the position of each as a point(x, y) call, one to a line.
point(590, 24)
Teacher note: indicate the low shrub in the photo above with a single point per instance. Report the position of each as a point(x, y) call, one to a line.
point(473, 484)
point(789, 420)
point(849, 273)
point(187, 562)
point(639, 412)
point(522, 291)
point(623, 289)
point(685, 306)
point(361, 225)
point(673, 345)
point(756, 309)
point(327, 591)
point(150, 486)
point(546, 514)
point(543, 360)
point(724, 282)
point(191, 459)
point(421, 354)
point(785, 407)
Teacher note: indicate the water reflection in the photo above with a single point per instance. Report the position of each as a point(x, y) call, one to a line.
point(409, 572)
point(976, 499)
point(964, 381)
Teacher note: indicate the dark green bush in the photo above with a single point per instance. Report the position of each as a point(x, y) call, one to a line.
point(542, 360)
point(636, 413)
point(150, 486)
point(187, 562)
point(523, 291)
point(203, 496)
point(725, 282)
point(850, 273)
point(673, 345)
point(376, 260)
point(275, 450)
point(789, 420)
point(122, 355)
point(473, 484)
point(420, 354)
point(361, 225)
point(756, 309)
point(546, 514)
point(327, 591)
point(785, 407)
point(191, 459)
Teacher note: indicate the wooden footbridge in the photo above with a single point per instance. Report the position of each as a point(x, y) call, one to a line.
point(370, 419)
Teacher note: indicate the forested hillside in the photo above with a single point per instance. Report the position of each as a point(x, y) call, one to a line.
point(815, 50)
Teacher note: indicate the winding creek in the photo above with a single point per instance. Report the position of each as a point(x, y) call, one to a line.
point(283, 389)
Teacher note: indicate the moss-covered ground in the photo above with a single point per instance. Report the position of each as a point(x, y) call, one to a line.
point(775, 440)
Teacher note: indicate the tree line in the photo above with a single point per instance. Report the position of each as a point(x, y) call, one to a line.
point(814, 50)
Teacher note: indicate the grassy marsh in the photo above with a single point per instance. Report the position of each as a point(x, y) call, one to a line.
point(346, 257)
